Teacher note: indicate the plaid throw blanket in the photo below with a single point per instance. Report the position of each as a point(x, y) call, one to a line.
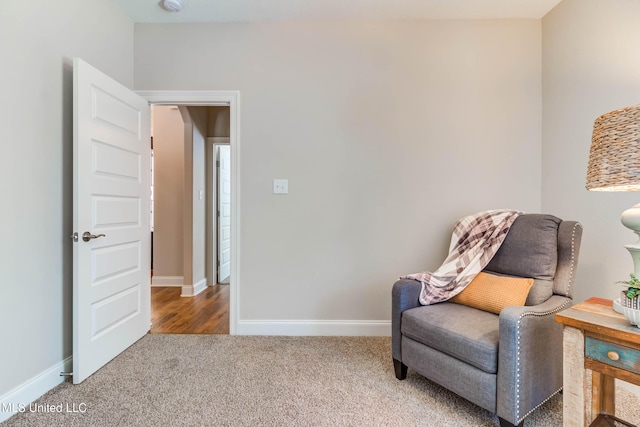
point(477, 239)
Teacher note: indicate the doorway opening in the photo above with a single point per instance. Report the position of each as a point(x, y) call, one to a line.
point(192, 219)
point(193, 264)
point(111, 202)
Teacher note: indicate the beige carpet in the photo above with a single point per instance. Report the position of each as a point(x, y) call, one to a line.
point(220, 380)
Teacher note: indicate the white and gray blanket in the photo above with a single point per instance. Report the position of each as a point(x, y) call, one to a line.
point(477, 239)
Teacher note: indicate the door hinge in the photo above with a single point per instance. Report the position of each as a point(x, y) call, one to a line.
point(218, 263)
point(217, 163)
point(218, 213)
point(74, 236)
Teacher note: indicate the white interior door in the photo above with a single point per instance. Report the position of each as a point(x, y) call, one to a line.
point(111, 266)
point(224, 212)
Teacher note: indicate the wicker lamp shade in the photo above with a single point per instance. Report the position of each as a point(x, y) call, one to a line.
point(614, 159)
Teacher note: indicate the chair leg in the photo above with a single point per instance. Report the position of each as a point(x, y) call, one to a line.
point(505, 423)
point(400, 368)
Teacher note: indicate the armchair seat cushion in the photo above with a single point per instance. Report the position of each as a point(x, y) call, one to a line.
point(466, 333)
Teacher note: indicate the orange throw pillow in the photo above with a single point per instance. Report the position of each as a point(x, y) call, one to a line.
point(492, 293)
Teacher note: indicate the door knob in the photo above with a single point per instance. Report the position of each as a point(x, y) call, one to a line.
point(86, 236)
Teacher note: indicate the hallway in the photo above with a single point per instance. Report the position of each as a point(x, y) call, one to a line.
point(205, 313)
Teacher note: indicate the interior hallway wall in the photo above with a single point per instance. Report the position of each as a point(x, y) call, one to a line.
point(219, 121)
point(168, 154)
point(195, 131)
point(200, 121)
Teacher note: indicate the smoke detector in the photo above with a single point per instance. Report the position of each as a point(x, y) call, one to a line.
point(171, 5)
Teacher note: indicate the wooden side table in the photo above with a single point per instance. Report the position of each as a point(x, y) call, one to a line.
point(596, 339)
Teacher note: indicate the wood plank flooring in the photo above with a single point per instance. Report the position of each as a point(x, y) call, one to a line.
point(205, 313)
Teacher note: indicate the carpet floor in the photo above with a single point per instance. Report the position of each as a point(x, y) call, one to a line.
point(221, 380)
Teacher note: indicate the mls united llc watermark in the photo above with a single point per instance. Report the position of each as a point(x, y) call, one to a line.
point(79, 408)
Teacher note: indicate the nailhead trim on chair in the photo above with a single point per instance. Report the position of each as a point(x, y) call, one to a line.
point(571, 280)
point(530, 313)
point(541, 403)
point(573, 257)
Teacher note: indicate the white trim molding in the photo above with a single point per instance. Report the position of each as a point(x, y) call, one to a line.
point(161, 281)
point(368, 328)
point(232, 99)
point(18, 399)
point(195, 289)
point(191, 97)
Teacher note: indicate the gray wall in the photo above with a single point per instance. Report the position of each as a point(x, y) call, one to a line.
point(591, 65)
point(38, 40)
point(387, 131)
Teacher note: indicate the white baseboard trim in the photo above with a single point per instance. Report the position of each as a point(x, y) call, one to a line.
point(18, 399)
point(193, 290)
point(167, 281)
point(368, 328)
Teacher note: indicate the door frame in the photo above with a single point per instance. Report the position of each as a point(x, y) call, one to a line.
point(230, 98)
point(217, 149)
point(212, 219)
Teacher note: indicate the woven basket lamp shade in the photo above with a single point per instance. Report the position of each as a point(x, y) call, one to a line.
point(614, 164)
point(614, 160)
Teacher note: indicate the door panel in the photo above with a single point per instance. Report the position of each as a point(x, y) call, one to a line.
point(111, 273)
point(224, 209)
point(115, 162)
point(115, 212)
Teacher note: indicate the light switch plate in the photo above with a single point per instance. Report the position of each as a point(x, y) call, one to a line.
point(280, 186)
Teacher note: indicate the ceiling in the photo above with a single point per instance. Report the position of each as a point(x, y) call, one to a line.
point(149, 11)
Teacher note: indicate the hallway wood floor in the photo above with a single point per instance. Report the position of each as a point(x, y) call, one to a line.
point(206, 313)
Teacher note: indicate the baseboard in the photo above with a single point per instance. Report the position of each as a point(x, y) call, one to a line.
point(18, 399)
point(193, 290)
point(366, 328)
point(167, 281)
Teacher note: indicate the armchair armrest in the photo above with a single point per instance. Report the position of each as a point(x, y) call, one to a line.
point(405, 295)
point(530, 357)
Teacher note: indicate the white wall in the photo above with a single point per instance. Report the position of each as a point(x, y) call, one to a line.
point(168, 154)
point(38, 40)
point(387, 131)
point(591, 65)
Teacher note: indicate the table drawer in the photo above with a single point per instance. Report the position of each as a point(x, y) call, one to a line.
point(612, 354)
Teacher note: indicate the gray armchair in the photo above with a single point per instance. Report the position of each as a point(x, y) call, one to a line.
point(510, 363)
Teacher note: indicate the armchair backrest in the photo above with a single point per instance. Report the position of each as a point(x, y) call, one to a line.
point(569, 238)
point(544, 248)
